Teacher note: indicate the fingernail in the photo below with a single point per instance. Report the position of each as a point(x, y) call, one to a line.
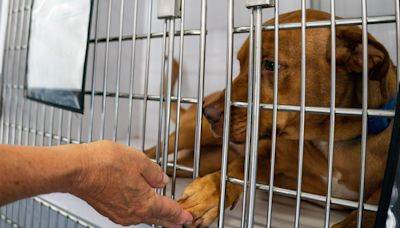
point(165, 179)
point(189, 217)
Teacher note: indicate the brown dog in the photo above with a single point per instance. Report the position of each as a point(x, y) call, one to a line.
point(201, 196)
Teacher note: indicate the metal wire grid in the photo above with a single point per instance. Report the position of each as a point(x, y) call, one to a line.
point(28, 123)
point(36, 212)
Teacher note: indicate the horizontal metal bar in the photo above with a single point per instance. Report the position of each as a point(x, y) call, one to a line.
point(189, 32)
point(322, 110)
point(66, 214)
point(282, 108)
point(64, 139)
point(323, 23)
point(307, 196)
point(40, 133)
point(178, 167)
point(186, 100)
point(26, 8)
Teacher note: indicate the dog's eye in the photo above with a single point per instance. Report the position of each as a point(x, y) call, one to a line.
point(268, 65)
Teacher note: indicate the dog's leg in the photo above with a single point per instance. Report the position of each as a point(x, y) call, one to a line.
point(201, 197)
point(368, 216)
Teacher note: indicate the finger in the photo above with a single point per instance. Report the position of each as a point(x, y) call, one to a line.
point(153, 174)
point(167, 209)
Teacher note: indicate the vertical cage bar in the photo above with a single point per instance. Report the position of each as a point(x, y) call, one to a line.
point(94, 74)
point(160, 106)
point(332, 116)
point(248, 123)
point(105, 78)
point(69, 127)
point(146, 75)
point(179, 98)
point(59, 127)
point(364, 112)
point(28, 122)
point(171, 34)
point(398, 39)
point(302, 112)
point(10, 65)
point(117, 83)
point(132, 72)
point(257, 13)
point(44, 111)
point(14, 75)
point(227, 114)
point(274, 114)
point(20, 77)
point(50, 126)
point(200, 90)
point(4, 70)
point(35, 123)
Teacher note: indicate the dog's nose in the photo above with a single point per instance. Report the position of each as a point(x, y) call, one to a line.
point(212, 113)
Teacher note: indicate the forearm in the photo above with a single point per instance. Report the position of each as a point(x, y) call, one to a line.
point(29, 171)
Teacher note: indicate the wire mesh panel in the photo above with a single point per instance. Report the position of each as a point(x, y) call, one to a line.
point(130, 98)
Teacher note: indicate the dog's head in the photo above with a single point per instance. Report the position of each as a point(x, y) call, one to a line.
point(318, 78)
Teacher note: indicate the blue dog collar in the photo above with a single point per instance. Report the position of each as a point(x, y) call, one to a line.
point(377, 124)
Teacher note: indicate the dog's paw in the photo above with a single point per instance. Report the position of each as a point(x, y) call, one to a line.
point(351, 220)
point(201, 199)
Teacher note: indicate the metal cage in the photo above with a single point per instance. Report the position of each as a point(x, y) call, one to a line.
point(118, 99)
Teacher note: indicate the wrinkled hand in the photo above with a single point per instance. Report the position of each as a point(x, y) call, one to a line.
point(118, 182)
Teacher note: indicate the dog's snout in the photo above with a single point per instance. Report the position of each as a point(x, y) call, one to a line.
point(212, 113)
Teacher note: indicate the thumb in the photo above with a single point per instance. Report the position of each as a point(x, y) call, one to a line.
point(154, 175)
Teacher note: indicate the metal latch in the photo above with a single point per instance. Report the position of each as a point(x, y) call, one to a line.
point(168, 8)
point(262, 3)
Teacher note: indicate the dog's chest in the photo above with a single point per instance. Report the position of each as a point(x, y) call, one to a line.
point(338, 188)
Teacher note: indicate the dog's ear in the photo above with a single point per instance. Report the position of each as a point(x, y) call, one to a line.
point(349, 53)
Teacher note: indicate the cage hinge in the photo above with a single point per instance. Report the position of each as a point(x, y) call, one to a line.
point(168, 9)
point(260, 3)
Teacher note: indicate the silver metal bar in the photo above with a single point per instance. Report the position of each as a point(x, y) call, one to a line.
point(69, 127)
point(200, 89)
point(20, 77)
point(79, 136)
point(94, 74)
point(132, 73)
point(116, 107)
point(50, 142)
point(146, 73)
point(44, 111)
point(364, 114)
point(332, 117)
point(10, 65)
point(307, 196)
point(321, 110)
point(104, 103)
point(4, 70)
point(257, 13)
point(154, 35)
point(398, 39)
point(324, 23)
point(179, 98)
point(160, 104)
point(28, 121)
point(35, 123)
point(168, 94)
point(274, 115)
point(60, 125)
point(302, 112)
point(227, 114)
point(248, 124)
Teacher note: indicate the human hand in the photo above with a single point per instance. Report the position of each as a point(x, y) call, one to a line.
point(118, 182)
